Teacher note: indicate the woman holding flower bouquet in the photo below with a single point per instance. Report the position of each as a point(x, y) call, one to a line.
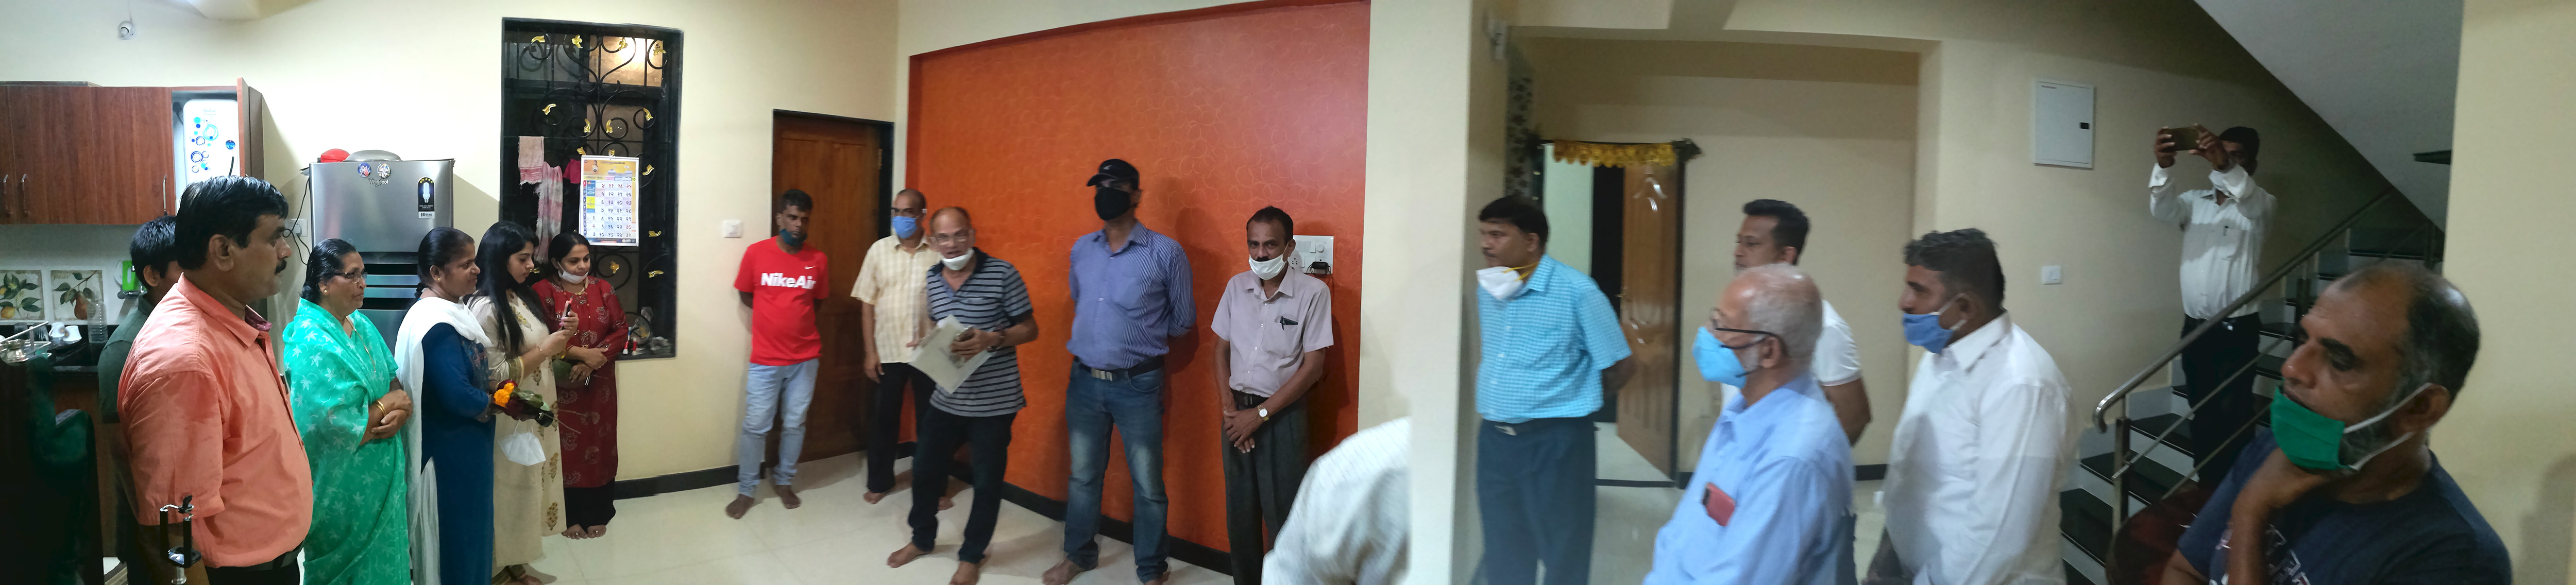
point(527, 478)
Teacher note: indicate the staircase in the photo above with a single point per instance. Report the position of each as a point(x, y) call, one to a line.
point(2140, 445)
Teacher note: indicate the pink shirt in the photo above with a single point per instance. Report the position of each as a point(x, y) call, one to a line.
point(205, 410)
point(1271, 335)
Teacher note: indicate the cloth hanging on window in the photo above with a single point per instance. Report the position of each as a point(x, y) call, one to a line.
point(1619, 154)
point(549, 181)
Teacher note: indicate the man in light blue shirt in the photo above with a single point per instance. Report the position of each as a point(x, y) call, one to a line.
point(1771, 499)
point(1551, 347)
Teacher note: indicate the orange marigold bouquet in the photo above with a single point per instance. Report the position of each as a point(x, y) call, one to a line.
point(522, 405)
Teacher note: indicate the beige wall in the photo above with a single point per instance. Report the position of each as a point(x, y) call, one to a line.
point(422, 79)
point(2508, 441)
point(1829, 129)
point(2120, 303)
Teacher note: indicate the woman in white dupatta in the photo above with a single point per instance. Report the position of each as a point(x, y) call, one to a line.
point(439, 351)
point(527, 482)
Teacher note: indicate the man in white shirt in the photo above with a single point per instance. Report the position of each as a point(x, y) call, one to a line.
point(1351, 523)
point(2222, 240)
point(1773, 232)
point(1972, 481)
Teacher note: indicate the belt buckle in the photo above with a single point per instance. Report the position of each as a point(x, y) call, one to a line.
point(1507, 430)
point(1101, 374)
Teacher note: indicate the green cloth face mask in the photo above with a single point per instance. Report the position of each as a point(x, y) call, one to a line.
point(2315, 442)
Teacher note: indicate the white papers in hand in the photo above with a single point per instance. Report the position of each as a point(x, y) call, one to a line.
point(944, 368)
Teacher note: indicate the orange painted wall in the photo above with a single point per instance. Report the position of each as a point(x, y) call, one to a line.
point(1222, 111)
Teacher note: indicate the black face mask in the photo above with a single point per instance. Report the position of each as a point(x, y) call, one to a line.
point(1109, 202)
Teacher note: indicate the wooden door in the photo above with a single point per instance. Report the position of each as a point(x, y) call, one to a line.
point(1649, 294)
point(840, 162)
point(125, 157)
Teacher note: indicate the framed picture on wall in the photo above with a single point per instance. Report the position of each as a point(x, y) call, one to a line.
point(78, 295)
point(22, 295)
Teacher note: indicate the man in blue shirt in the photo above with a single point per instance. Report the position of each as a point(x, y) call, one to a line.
point(2344, 487)
point(1771, 499)
point(1131, 295)
point(1551, 347)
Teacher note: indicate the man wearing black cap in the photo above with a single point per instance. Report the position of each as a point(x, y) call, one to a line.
point(2222, 239)
point(1131, 295)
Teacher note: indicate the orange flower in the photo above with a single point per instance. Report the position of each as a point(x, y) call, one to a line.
point(501, 397)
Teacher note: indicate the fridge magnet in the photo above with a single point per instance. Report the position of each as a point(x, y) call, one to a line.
point(22, 295)
point(77, 294)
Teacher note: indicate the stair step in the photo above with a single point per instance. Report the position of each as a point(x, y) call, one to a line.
point(2085, 521)
point(2148, 483)
point(2074, 577)
point(2180, 442)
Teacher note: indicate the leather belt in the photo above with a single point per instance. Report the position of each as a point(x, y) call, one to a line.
point(1150, 364)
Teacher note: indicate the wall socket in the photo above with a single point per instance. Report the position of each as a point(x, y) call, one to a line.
point(733, 228)
point(2051, 274)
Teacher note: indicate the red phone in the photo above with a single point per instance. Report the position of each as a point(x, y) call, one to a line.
point(1721, 507)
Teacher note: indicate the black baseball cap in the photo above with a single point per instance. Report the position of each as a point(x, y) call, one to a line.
point(1114, 169)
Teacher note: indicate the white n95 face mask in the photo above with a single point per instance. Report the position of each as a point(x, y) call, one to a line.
point(1269, 269)
point(959, 262)
point(1499, 281)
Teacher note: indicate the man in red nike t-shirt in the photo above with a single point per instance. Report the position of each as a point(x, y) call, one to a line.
point(781, 280)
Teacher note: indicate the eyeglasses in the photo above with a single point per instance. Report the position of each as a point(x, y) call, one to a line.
point(1713, 328)
point(913, 212)
point(942, 239)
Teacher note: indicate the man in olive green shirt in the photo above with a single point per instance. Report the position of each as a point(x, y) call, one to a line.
point(156, 265)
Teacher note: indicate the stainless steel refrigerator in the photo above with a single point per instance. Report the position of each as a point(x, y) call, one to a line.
point(383, 208)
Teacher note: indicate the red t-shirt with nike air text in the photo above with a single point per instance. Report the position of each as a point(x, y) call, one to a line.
point(784, 288)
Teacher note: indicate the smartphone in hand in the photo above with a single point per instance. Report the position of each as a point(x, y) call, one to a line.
point(2183, 138)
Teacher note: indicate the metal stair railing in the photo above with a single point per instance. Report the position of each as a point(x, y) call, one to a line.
point(2122, 462)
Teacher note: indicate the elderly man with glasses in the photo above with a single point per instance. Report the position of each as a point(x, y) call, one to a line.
point(1770, 501)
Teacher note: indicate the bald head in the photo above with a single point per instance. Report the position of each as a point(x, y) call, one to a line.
point(910, 199)
point(952, 232)
point(950, 214)
point(1778, 298)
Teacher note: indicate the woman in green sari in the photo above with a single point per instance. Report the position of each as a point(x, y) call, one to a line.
point(350, 411)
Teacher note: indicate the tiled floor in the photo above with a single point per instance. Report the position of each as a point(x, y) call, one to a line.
point(835, 538)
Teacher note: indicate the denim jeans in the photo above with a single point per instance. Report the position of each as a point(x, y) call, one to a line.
point(1134, 405)
point(773, 392)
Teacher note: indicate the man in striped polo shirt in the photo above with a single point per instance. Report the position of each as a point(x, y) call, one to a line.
point(1551, 348)
point(987, 296)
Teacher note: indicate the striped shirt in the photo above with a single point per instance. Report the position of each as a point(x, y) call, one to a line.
point(993, 298)
point(1545, 348)
point(889, 281)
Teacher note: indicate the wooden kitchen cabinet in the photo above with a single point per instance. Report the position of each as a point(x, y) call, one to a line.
point(83, 154)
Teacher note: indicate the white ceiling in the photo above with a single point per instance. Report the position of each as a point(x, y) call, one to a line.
point(2382, 72)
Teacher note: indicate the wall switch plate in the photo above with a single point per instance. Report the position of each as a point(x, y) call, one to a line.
point(733, 228)
point(2051, 274)
point(1314, 254)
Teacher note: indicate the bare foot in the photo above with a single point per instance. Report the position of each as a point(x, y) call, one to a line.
point(872, 497)
point(576, 532)
point(1162, 579)
point(1063, 573)
point(740, 505)
point(904, 556)
point(597, 531)
point(967, 574)
point(787, 496)
point(530, 580)
point(946, 502)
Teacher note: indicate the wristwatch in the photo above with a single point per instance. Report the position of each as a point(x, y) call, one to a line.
point(1265, 414)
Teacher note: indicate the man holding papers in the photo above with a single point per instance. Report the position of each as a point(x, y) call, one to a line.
point(987, 297)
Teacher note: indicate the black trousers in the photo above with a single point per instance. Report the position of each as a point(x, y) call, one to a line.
point(2207, 362)
point(1534, 491)
point(590, 506)
point(885, 421)
point(1261, 484)
point(988, 440)
point(278, 572)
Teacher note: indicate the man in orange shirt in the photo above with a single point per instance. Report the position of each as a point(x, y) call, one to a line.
point(204, 400)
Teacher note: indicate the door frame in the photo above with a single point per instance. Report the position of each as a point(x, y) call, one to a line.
point(884, 197)
point(885, 161)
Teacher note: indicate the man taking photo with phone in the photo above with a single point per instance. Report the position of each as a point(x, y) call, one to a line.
point(2222, 241)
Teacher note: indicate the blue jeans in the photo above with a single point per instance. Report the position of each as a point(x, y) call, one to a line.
point(1134, 404)
point(771, 392)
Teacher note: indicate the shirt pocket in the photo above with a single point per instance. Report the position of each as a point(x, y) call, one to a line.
point(1139, 295)
point(1278, 338)
point(980, 311)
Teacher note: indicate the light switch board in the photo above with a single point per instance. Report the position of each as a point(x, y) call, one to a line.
point(2050, 274)
point(733, 228)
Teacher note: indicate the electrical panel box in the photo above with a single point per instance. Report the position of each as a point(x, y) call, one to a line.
point(2061, 124)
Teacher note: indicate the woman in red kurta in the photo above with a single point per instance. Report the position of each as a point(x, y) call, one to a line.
point(586, 407)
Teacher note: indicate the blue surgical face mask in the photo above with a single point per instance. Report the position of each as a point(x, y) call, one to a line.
point(1717, 362)
point(905, 227)
point(1925, 330)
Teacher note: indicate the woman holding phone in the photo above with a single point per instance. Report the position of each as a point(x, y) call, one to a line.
point(586, 400)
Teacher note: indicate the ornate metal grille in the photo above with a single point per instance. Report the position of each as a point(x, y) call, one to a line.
point(600, 89)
